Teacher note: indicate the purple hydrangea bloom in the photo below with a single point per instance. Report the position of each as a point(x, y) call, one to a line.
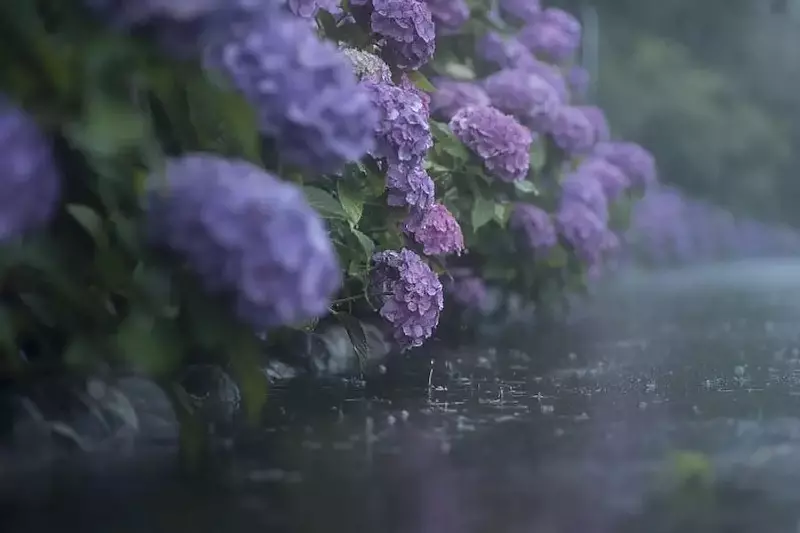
point(582, 229)
point(248, 235)
point(578, 80)
point(436, 230)
point(29, 176)
point(407, 85)
point(536, 225)
point(504, 52)
point(524, 10)
point(406, 32)
point(468, 290)
point(525, 95)
point(552, 75)
point(410, 293)
point(572, 131)
point(309, 8)
point(403, 132)
point(610, 177)
point(451, 95)
point(598, 119)
point(409, 186)
point(448, 15)
point(585, 188)
point(303, 89)
point(368, 66)
point(635, 161)
point(502, 143)
point(555, 34)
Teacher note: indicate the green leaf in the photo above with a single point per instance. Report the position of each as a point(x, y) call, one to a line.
point(80, 354)
point(538, 155)
point(107, 127)
point(447, 142)
point(482, 212)
point(459, 71)
point(355, 330)
point(526, 187)
point(88, 219)
point(502, 212)
point(421, 81)
point(557, 257)
point(149, 345)
point(367, 244)
point(352, 205)
point(245, 355)
point(327, 206)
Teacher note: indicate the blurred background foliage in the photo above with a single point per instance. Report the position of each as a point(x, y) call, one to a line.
point(710, 88)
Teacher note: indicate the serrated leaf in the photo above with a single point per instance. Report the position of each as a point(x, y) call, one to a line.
point(352, 205)
point(355, 330)
point(482, 212)
point(245, 357)
point(421, 81)
point(325, 204)
point(367, 244)
point(526, 187)
point(88, 219)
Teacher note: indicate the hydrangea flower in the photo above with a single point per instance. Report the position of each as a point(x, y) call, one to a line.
point(452, 95)
point(582, 229)
point(409, 186)
point(468, 290)
point(410, 294)
point(303, 89)
point(635, 161)
point(572, 131)
point(552, 75)
point(310, 8)
point(555, 34)
point(403, 132)
point(536, 225)
point(584, 188)
point(504, 52)
point(436, 230)
point(524, 10)
point(368, 66)
point(448, 15)
point(525, 95)
point(407, 34)
point(610, 177)
point(29, 175)
point(502, 143)
point(407, 85)
point(599, 122)
point(246, 234)
point(578, 80)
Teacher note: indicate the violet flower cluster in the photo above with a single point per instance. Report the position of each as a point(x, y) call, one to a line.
point(436, 230)
point(554, 34)
point(410, 295)
point(636, 162)
point(468, 290)
point(535, 225)
point(247, 235)
point(449, 15)
point(502, 143)
point(303, 89)
point(572, 130)
point(405, 30)
point(29, 176)
point(524, 10)
point(452, 95)
point(525, 95)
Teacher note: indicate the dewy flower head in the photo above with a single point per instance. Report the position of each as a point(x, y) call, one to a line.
point(584, 187)
point(554, 34)
point(407, 34)
point(635, 161)
point(448, 15)
point(410, 294)
point(597, 117)
point(29, 177)
point(525, 95)
point(409, 185)
point(248, 235)
point(582, 229)
point(572, 131)
point(403, 132)
point(368, 66)
point(303, 89)
point(610, 177)
point(436, 230)
point(535, 224)
point(452, 95)
point(524, 10)
point(502, 143)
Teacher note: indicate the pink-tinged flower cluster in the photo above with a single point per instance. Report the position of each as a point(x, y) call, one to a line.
point(410, 295)
point(436, 230)
point(502, 143)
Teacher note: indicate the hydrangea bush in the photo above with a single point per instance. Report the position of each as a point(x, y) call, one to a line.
point(203, 180)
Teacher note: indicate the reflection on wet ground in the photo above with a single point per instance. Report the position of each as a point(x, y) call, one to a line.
point(671, 405)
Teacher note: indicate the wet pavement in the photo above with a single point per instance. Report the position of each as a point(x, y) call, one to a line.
point(671, 405)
